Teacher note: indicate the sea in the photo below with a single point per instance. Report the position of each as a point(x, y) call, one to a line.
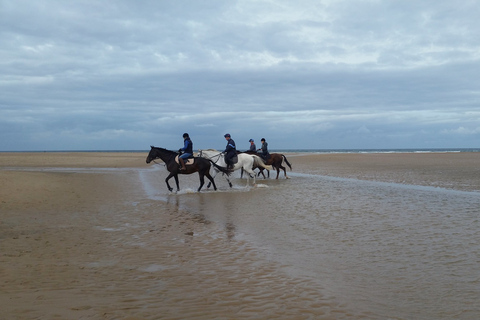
point(400, 150)
point(380, 250)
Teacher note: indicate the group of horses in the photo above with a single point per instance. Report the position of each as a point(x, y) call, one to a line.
point(206, 159)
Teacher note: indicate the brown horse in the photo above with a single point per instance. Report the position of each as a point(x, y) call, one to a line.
point(275, 160)
point(200, 165)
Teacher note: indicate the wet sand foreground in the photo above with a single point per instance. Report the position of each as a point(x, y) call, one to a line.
point(80, 240)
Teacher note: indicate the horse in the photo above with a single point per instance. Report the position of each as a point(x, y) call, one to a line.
point(275, 160)
point(245, 162)
point(254, 166)
point(200, 165)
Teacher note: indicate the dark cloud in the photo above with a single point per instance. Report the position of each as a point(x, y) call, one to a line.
point(331, 74)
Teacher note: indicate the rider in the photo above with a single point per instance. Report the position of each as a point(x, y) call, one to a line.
point(230, 151)
point(187, 150)
point(253, 147)
point(265, 155)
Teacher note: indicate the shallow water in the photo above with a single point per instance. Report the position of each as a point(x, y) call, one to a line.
point(386, 250)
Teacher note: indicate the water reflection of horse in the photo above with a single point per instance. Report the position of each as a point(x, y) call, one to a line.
point(245, 161)
point(276, 161)
point(200, 165)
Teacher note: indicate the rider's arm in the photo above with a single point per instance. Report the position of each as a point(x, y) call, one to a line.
point(185, 145)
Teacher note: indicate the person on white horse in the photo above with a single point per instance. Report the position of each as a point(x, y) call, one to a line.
point(230, 151)
point(187, 151)
point(245, 161)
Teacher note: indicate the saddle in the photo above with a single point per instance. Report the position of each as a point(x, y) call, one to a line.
point(189, 160)
point(233, 159)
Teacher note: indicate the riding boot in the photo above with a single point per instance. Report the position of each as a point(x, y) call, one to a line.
point(182, 163)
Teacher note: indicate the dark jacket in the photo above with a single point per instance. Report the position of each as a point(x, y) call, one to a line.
point(188, 146)
point(265, 148)
point(230, 150)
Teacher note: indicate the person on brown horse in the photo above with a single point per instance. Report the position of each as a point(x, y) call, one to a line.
point(253, 147)
point(265, 154)
point(187, 151)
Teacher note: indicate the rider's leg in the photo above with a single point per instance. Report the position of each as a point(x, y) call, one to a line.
point(182, 163)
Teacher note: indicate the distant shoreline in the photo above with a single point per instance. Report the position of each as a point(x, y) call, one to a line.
point(318, 151)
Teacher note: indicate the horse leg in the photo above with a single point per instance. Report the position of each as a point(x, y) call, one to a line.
point(250, 174)
point(278, 171)
point(263, 174)
point(228, 180)
point(268, 173)
point(176, 181)
point(168, 178)
point(202, 180)
point(211, 180)
point(285, 172)
point(215, 171)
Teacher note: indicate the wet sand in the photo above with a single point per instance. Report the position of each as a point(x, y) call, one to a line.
point(446, 170)
point(89, 245)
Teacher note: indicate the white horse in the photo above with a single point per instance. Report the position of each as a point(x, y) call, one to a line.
point(245, 161)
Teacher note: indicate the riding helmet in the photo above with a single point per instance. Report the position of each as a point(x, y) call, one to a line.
point(185, 135)
point(263, 139)
point(227, 135)
point(251, 140)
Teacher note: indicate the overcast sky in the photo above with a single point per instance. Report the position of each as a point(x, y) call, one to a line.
point(124, 75)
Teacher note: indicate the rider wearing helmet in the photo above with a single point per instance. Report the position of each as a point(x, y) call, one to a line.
point(187, 150)
point(253, 147)
point(230, 151)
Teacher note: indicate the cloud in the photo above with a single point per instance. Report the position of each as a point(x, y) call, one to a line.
point(463, 131)
point(119, 75)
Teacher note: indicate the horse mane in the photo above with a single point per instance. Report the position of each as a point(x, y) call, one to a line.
point(163, 149)
point(211, 150)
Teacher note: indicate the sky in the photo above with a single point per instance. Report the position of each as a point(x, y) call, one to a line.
point(320, 74)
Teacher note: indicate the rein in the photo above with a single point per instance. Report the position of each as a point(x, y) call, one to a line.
point(216, 156)
point(159, 157)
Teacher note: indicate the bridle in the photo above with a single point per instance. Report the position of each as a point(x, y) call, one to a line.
point(217, 156)
point(157, 157)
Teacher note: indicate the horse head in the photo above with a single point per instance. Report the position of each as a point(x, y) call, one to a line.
point(151, 155)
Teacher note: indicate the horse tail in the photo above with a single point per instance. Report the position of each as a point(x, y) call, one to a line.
point(221, 169)
point(259, 163)
point(286, 161)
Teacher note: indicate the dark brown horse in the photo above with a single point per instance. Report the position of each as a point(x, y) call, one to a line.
point(276, 161)
point(200, 165)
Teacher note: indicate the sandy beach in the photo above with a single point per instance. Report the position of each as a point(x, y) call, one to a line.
point(89, 245)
